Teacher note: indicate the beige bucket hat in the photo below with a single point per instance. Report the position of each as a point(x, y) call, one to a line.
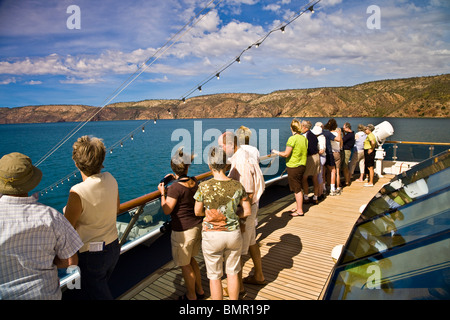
point(17, 174)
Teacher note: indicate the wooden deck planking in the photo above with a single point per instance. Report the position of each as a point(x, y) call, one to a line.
point(295, 251)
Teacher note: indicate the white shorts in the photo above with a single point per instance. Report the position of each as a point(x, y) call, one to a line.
point(249, 234)
point(219, 247)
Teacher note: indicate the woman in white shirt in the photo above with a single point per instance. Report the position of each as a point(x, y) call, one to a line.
point(92, 210)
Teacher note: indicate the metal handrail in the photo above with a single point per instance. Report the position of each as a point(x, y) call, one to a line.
point(423, 143)
point(124, 207)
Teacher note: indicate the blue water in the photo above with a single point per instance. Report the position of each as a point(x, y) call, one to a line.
point(140, 164)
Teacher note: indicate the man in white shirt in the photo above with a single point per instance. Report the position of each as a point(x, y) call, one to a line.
point(245, 169)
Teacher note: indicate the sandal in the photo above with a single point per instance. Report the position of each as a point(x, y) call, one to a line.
point(297, 214)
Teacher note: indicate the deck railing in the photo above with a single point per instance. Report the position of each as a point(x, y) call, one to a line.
point(431, 146)
point(124, 207)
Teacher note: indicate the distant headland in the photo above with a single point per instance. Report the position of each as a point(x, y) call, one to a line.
point(411, 97)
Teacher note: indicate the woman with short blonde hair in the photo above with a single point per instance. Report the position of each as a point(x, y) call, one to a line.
point(92, 210)
point(88, 154)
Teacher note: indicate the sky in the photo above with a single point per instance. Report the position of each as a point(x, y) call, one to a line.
point(54, 53)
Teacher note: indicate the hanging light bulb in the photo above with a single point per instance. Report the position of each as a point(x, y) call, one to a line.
point(282, 29)
point(143, 129)
point(132, 138)
point(311, 9)
point(121, 144)
point(110, 151)
point(168, 110)
point(238, 60)
point(200, 88)
point(218, 76)
point(154, 121)
point(257, 45)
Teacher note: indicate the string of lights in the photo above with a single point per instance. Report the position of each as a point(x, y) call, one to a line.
point(237, 59)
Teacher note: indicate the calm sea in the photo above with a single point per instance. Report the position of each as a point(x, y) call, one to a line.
point(141, 162)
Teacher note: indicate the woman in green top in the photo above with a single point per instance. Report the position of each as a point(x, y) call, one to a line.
point(369, 153)
point(295, 154)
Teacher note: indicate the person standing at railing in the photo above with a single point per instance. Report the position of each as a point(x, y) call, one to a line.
point(321, 146)
point(369, 153)
point(92, 210)
point(217, 200)
point(348, 143)
point(35, 239)
point(245, 168)
point(358, 155)
point(295, 154)
point(186, 234)
point(333, 138)
point(312, 163)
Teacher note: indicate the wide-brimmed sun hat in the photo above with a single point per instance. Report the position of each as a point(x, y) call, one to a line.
point(17, 174)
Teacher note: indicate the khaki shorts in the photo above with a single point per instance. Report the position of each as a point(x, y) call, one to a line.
point(249, 235)
point(186, 244)
point(337, 159)
point(347, 155)
point(219, 247)
point(312, 165)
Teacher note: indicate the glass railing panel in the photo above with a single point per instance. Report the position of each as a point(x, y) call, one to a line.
point(416, 220)
point(151, 219)
point(418, 271)
point(272, 167)
point(396, 194)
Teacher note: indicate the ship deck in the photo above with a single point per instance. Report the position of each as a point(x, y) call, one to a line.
point(295, 251)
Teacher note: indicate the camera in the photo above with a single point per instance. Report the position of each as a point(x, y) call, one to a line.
point(167, 179)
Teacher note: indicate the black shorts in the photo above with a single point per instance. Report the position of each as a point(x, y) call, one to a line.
point(295, 176)
point(369, 159)
point(329, 159)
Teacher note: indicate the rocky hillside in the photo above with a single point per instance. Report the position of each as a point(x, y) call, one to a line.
point(413, 97)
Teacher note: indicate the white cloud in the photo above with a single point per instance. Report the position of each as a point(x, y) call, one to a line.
point(33, 82)
point(306, 71)
point(330, 3)
point(8, 81)
point(272, 7)
point(159, 80)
